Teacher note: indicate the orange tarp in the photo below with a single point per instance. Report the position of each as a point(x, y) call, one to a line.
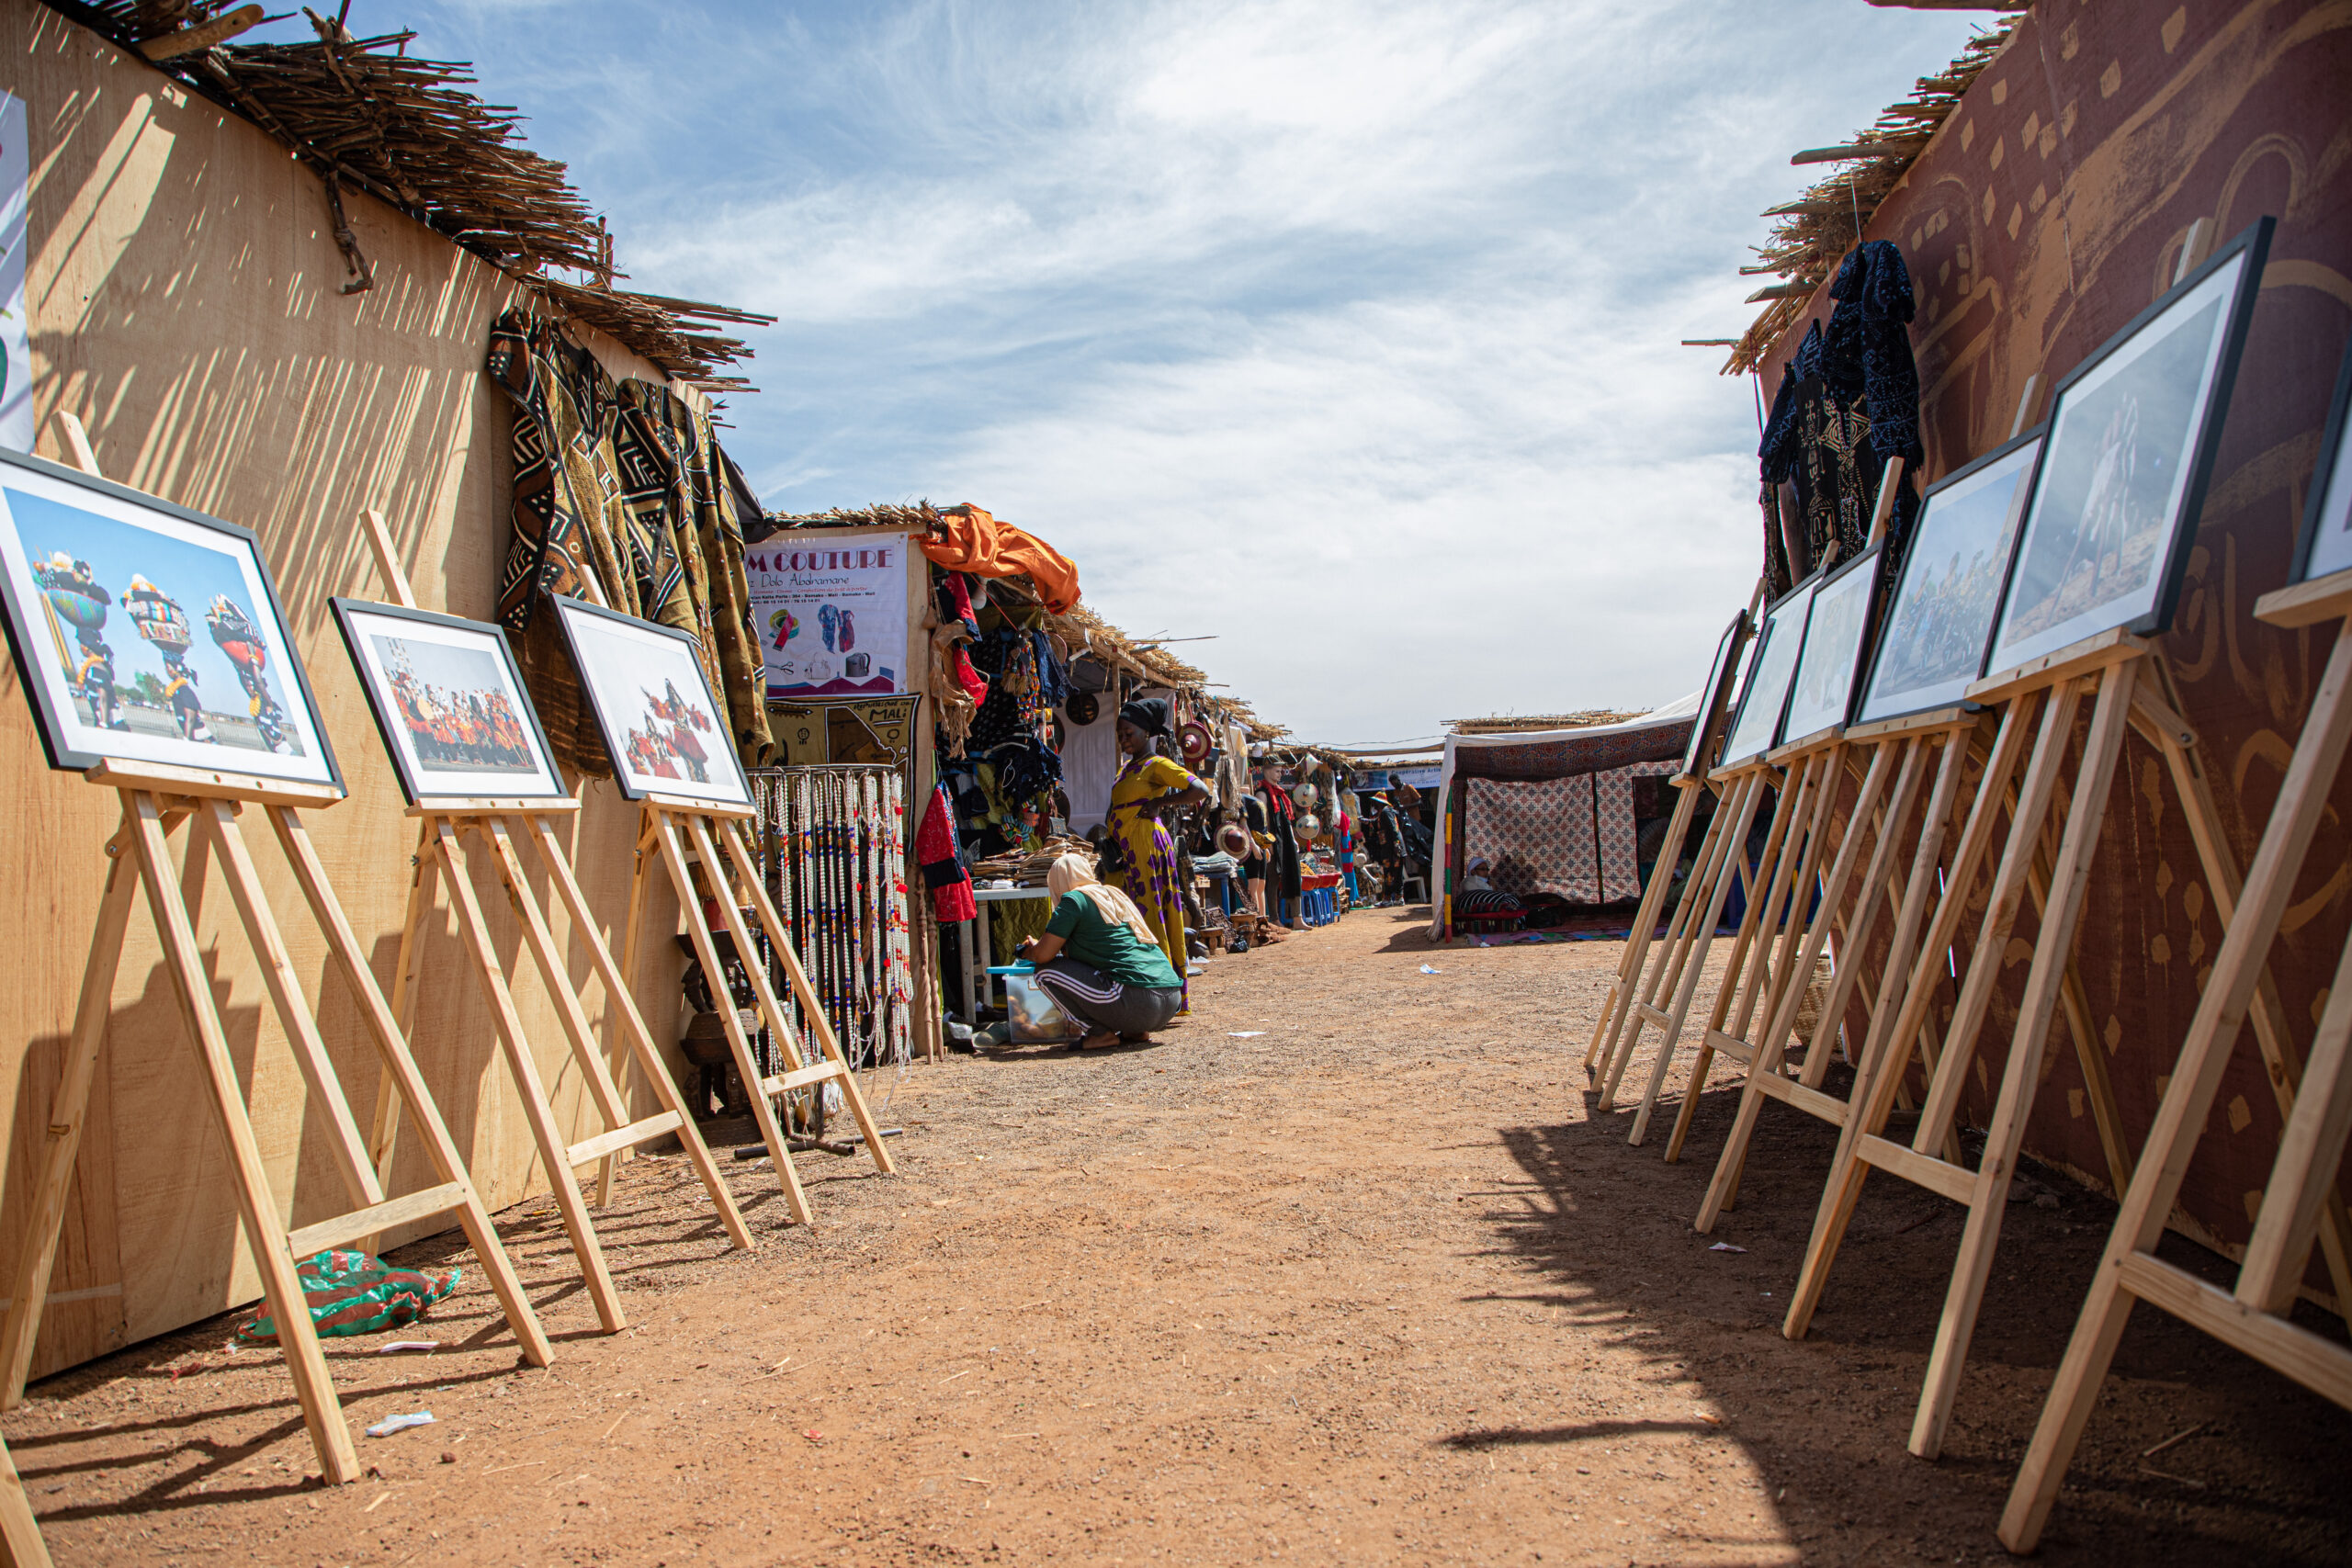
point(980, 544)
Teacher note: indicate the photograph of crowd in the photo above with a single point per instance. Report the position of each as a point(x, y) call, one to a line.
point(455, 702)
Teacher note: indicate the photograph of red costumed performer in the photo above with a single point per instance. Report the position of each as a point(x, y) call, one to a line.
point(1148, 788)
point(1100, 959)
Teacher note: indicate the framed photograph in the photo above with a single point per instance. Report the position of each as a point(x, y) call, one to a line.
point(145, 632)
point(450, 703)
point(1834, 635)
point(2326, 543)
point(1770, 675)
point(665, 731)
point(1941, 620)
point(2123, 471)
point(1715, 694)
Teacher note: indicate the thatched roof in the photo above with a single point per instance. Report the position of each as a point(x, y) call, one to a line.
point(1816, 231)
point(366, 115)
point(1521, 724)
point(1082, 628)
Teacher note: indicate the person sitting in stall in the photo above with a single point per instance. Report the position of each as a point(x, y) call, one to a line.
point(1100, 959)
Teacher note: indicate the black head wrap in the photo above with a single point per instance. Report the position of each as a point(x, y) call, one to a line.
point(1146, 714)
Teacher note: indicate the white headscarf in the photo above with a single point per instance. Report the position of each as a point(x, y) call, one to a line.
point(1071, 874)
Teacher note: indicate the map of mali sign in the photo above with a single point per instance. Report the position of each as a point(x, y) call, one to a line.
point(831, 609)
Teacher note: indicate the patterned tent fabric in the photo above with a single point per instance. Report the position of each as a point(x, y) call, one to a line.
point(1551, 757)
point(1536, 835)
point(1613, 812)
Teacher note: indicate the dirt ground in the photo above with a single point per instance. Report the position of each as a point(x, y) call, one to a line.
point(1371, 1284)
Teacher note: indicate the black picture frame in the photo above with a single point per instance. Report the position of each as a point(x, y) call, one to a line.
point(28, 614)
point(2329, 500)
point(2084, 393)
point(579, 622)
point(2019, 456)
point(1715, 695)
point(1771, 676)
point(1852, 587)
point(545, 784)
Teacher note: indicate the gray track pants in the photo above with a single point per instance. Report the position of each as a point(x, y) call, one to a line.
point(1094, 998)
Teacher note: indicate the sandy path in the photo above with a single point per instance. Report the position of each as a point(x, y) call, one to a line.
point(1370, 1287)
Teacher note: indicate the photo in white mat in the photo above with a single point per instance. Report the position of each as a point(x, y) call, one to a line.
point(145, 632)
point(2326, 543)
point(665, 731)
point(2123, 471)
point(450, 703)
point(1824, 689)
point(1715, 698)
point(1770, 673)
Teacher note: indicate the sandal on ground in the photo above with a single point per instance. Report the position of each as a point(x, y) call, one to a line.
point(1100, 1039)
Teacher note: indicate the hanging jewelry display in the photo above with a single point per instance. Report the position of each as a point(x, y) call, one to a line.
point(835, 843)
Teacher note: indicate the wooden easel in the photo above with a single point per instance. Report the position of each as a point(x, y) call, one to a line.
point(2300, 1203)
point(1632, 963)
point(1681, 959)
point(2125, 676)
point(671, 825)
point(442, 825)
point(156, 800)
point(1901, 746)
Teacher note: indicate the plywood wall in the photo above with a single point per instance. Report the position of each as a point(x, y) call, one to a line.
point(185, 296)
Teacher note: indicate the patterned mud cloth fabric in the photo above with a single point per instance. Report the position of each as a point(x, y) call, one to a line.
point(1534, 835)
point(350, 1292)
point(1613, 812)
point(623, 497)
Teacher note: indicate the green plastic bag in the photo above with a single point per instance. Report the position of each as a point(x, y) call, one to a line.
point(350, 1292)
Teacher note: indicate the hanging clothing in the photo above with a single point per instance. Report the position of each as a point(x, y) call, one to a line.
point(975, 542)
point(1089, 767)
point(1848, 400)
point(944, 871)
point(1148, 870)
point(623, 497)
point(1282, 855)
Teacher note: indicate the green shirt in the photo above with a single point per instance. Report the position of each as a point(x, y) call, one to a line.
point(1109, 946)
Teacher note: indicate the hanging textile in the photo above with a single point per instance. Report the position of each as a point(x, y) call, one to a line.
point(1613, 827)
point(835, 846)
point(1536, 835)
point(1848, 400)
point(623, 497)
point(974, 542)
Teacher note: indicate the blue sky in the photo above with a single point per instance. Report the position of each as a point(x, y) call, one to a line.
point(1345, 334)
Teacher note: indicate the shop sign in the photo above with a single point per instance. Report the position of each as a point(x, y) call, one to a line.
point(831, 610)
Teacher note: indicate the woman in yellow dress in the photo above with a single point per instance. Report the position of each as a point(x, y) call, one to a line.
point(1149, 787)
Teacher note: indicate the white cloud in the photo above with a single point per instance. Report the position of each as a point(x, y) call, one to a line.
point(1345, 332)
